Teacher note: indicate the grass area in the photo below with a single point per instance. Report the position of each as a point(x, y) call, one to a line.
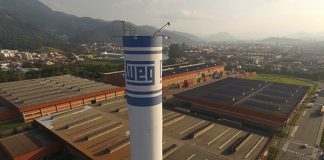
point(49, 49)
point(295, 119)
point(283, 79)
point(101, 62)
point(297, 116)
point(322, 140)
point(281, 134)
point(272, 153)
point(11, 124)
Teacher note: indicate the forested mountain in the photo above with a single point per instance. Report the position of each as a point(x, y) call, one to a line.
point(29, 24)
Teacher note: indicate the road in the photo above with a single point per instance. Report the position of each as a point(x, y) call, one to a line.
point(306, 132)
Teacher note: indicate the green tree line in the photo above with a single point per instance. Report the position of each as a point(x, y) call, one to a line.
point(316, 75)
point(87, 69)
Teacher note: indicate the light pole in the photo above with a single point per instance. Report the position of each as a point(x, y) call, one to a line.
point(124, 30)
point(167, 24)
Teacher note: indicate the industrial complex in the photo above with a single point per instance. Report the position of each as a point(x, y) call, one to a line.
point(250, 102)
point(90, 120)
point(100, 131)
point(30, 99)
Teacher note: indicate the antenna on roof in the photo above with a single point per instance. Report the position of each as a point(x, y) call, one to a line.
point(167, 24)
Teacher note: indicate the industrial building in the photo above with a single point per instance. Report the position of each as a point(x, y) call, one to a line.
point(175, 74)
point(34, 144)
point(100, 131)
point(248, 102)
point(90, 119)
point(30, 99)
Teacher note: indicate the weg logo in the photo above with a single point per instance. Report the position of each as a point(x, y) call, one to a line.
point(140, 73)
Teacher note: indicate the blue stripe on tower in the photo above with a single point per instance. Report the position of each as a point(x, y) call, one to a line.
point(143, 92)
point(140, 62)
point(142, 41)
point(142, 52)
point(139, 84)
point(144, 102)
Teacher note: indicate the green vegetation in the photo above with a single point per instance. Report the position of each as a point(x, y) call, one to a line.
point(281, 134)
point(11, 76)
point(316, 74)
point(11, 125)
point(31, 25)
point(295, 119)
point(176, 51)
point(286, 80)
point(283, 79)
point(48, 50)
point(91, 69)
point(272, 153)
point(322, 140)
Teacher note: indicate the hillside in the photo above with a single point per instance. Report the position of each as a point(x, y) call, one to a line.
point(306, 36)
point(29, 24)
point(281, 40)
point(221, 36)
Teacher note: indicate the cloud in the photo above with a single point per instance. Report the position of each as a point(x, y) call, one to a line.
point(236, 16)
point(186, 15)
point(55, 5)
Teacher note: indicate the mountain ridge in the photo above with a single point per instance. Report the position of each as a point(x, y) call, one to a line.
point(221, 36)
point(30, 24)
point(306, 36)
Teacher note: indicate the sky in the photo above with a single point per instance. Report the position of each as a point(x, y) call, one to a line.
point(242, 18)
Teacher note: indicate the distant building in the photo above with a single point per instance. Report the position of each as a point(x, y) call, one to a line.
point(256, 59)
point(49, 63)
point(8, 53)
point(277, 56)
point(28, 56)
point(4, 66)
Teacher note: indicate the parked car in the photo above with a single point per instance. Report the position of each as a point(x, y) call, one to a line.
point(304, 145)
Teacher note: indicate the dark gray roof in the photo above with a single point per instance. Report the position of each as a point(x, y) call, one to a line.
point(276, 98)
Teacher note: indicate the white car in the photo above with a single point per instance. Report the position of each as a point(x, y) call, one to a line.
point(304, 145)
point(309, 104)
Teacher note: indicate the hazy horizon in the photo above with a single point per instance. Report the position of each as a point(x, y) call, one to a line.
point(243, 19)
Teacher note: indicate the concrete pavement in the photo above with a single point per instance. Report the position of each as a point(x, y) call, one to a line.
point(320, 132)
point(308, 131)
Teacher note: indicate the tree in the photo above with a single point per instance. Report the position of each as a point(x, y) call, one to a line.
point(183, 47)
point(165, 50)
point(174, 51)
